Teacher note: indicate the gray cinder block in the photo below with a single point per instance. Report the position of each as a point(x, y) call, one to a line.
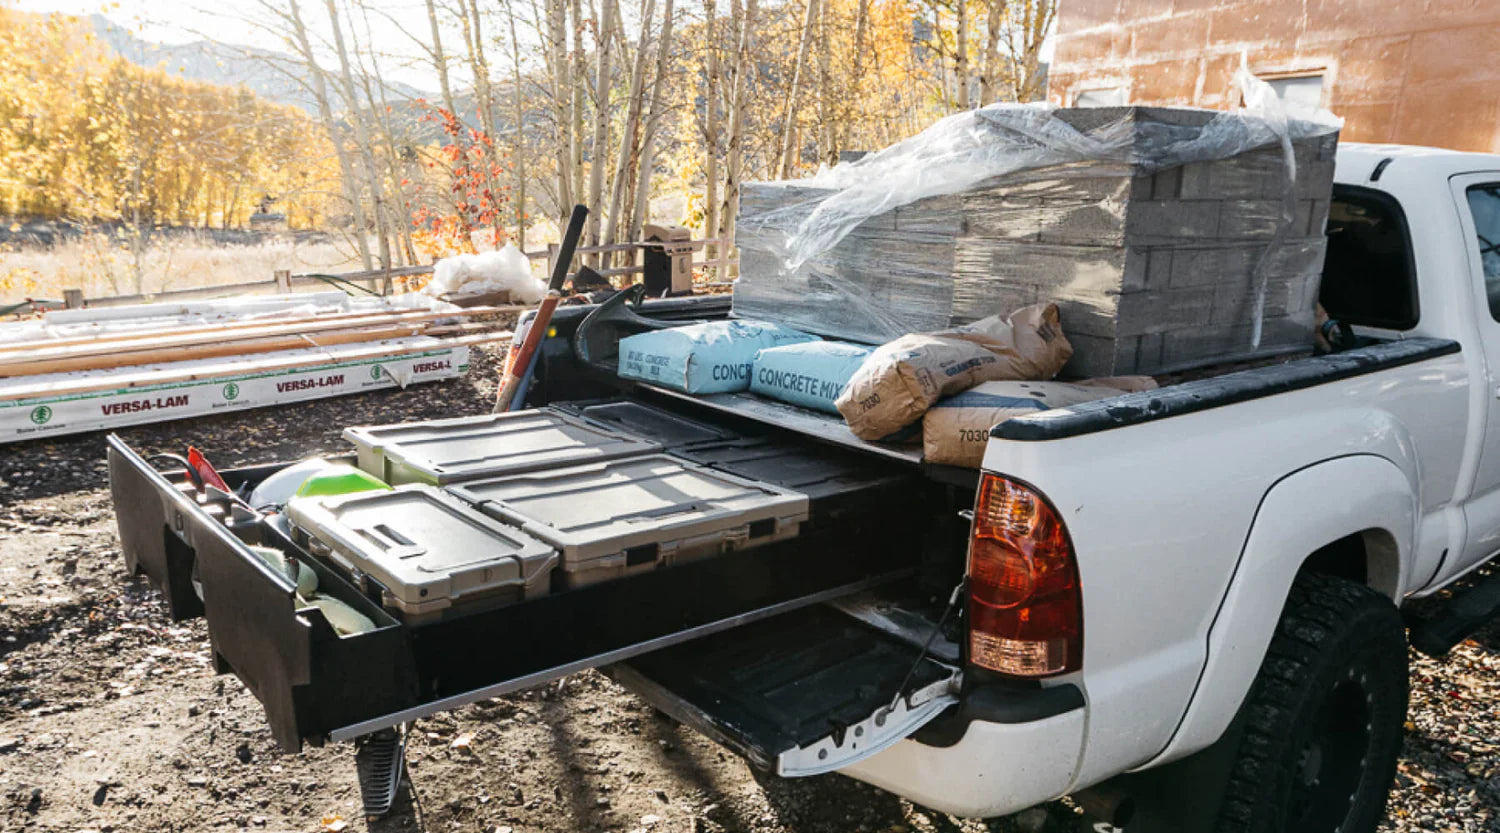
point(1154, 270)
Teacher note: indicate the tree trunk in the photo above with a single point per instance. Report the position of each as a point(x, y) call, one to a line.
point(828, 151)
point(711, 128)
point(598, 148)
point(629, 137)
point(790, 148)
point(961, 59)
point(518, 146)
point(361, 134)
point(640, 212)
point(479, 64)
point(856, 78)
point(580, 76)
point(735, 164)
point(562, 97)
point(325, 114)
point(439, 60)
point(993, 19)
point(1038, 16)
point(396, 213)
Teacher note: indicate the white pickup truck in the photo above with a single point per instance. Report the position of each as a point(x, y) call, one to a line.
point(1181, 607)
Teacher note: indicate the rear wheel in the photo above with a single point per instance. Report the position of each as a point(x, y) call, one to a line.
point(1323, 720)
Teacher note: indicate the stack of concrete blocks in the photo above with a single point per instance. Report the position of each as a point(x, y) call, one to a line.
point(1153, 272)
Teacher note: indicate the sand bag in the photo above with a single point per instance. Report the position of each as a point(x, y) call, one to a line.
point(811, 374)
point(957, 428)
point(714, 357)
point(901, 379)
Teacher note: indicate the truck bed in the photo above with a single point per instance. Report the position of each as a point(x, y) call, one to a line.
point(879, 521)
point(561, 374)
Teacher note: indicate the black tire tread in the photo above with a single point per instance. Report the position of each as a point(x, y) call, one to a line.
point(1318, 609)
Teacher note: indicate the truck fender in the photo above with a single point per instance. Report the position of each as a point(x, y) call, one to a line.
point(1301, 513)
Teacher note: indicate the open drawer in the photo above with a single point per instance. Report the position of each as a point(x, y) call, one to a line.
point(316, 685)
point(288, 655)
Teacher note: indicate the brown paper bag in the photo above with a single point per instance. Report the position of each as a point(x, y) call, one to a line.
point(901, 379)
point(956, 430)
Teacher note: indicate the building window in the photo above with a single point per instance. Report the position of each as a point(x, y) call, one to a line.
point(1299, 92)
point(1111, 97)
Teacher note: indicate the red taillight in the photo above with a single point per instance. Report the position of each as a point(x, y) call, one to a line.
point(1025, 606)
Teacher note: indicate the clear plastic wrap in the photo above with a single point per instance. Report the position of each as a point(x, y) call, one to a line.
point(949, 225)
point(965, 149)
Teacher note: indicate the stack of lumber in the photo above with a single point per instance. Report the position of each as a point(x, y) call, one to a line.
point(80, 376)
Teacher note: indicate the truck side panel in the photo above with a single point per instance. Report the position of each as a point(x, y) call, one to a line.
point(1186, 489)
point(1297, 517)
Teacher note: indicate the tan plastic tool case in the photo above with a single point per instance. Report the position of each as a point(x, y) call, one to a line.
point(468, 448)
point(427, 550)
point(626, 516)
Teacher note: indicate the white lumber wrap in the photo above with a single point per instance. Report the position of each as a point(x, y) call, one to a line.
point(218, 385)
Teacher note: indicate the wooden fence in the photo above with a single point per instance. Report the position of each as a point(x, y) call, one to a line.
point(381, 281)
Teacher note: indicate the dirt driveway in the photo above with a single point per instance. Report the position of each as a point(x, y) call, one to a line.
point(111, 718)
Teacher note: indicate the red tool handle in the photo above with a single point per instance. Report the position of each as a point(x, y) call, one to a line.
point(511, 382)
point(524, 354)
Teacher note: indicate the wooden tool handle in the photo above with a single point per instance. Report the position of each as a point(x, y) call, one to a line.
point(511, 382)
point(525, 353)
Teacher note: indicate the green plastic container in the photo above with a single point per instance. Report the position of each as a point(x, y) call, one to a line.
point(340, 480)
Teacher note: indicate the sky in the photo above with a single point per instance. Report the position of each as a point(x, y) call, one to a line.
point(183, 21)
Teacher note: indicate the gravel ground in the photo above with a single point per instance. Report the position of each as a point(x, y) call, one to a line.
point(112, 720)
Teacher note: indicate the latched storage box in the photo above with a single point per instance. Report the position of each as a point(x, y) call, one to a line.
point(467, 448)
point(427, 550)
point(620, 517)
point(1150, 248)
point(670, 430)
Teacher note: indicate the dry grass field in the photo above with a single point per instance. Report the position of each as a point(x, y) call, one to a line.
point(102, 265)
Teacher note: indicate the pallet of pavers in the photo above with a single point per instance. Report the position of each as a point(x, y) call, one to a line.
point(1169, 237)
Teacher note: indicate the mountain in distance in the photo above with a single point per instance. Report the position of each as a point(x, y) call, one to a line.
point(276, 76)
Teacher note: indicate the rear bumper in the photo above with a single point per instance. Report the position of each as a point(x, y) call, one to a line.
point(993, 769)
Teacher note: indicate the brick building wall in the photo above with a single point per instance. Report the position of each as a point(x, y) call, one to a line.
point(1422, 72)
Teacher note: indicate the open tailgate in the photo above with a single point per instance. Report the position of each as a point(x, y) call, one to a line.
point(804, 693)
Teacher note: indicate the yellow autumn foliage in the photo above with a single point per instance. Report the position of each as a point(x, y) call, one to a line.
point(87, 135)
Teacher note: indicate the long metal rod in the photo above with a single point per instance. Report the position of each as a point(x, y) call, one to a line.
point(355, 730)
point(828, 429)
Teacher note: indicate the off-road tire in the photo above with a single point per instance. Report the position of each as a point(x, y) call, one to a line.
point(1323, 721)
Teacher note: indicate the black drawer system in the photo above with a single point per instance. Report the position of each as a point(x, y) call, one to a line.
point(317, 685)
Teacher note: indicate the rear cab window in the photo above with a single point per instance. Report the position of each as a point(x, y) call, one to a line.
point(1369, 274)
point(1484, 207)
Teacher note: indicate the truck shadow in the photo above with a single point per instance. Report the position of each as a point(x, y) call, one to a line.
point(598, 759)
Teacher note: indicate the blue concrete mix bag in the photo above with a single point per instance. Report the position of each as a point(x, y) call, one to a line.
point(714, 357)
point(811, 374)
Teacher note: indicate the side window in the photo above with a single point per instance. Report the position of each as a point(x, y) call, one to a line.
point(1368, 275)
point(1484, 206)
